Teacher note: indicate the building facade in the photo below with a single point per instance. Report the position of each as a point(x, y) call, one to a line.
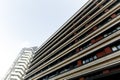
point(86, 47)
point(20, 65)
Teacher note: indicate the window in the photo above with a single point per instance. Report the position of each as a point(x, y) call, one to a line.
point(87, 60)
point(105, 35)
point(95, 57)
point(90, 44)
point(91, 59)
point(114, 48)
point(109, 33)
point(83, 62)
point(84, 47)
point(118, 46)
point(109, 19)
point(81, 49)
point(118, 28)
point(114, 31)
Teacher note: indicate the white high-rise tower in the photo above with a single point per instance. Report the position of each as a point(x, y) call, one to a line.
point(20, 65)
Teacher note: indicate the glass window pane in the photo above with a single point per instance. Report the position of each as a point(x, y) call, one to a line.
point(91, 59)
point(118, 28)
point(114, 48)
point(83, 62)
point(110, 33)
point(87, 60)
point(105, 35)
point(90, 44)
point(118, 13)
point(109, 19)
point(95, 57)
point(114, 31)
point(118, 46)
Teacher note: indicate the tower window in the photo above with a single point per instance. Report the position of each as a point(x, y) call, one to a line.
point(114, 48)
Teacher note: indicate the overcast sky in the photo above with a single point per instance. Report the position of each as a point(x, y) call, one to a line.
point(26, 23)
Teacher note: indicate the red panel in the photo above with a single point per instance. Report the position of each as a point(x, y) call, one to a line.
point(115, 69)
point(82, 78)
point(99, 38)
point(95, 28)
point(76, 40)
point(106, 10)
point(79, 62)
point(113, 16)
point(108, 50)
point(88, 16)
point(90, 31)
point(96, 3)
point(100, 6)
point(81, 49)
point(90, 22)
point(77, 50)
point(86, 25)
point(106, 71)
point(93, 41)
point(75, 33)
point(100, 54)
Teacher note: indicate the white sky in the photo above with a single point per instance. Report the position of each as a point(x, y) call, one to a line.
point(26, 23)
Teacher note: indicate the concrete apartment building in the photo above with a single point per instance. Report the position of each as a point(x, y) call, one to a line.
point(20, 65)
point(86, 47)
